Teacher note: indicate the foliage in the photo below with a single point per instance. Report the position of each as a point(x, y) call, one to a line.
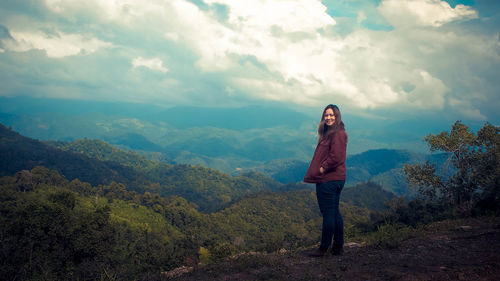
point(22, 153)
point(103, 151)
point(367, 195)
point(53, 232)
point(95, 162)
point(388, 235)
point(126, 226)
point(73, 230)
point(475, 173)
point(205, 256)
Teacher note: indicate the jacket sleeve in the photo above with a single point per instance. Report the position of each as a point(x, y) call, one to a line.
point(337, 153)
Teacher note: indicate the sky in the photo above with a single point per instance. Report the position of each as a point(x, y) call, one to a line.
point(380, 59)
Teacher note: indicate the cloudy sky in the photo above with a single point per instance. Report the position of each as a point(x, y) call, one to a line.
point(378, 59)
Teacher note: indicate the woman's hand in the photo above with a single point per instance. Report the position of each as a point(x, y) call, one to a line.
point(321, 170)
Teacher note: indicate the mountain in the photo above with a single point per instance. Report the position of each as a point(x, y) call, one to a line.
point(381, 166)
point(24, 105)
point(277, 141)
point(262, 132)
point(251, 133)
point(273, 139)
point(285, 170)
point(103, 151)
point(387, 172)
point(134, 141)
point(84, 231)
point(367, 195)
point(385, 167)
point(236, 119)
point(22, 153)
point(141, 217)
point(97, 162)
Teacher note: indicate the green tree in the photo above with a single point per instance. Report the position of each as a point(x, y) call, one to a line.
point(205, 256)
point(473, 167)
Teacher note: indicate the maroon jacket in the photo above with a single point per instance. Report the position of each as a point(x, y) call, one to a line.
point(329, 154)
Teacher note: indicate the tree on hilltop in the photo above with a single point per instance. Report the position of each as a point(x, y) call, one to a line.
point(474, 162)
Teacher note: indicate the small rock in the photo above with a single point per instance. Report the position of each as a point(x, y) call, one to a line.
point(283, 251)
point(464, 227)
point(352, 245)
point(178, 271)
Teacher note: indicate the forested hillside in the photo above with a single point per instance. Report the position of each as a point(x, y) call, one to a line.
point(21, 153)
point(103, 151)
point(91, 211)
point(97, 162)
point(384, 166)
point(54, 228)
point(67, 214)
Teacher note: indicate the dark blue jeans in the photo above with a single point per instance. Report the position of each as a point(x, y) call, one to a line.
point(328, 195)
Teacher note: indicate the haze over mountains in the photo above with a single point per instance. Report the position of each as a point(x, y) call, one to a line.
point(276, 141)
point(253, 125)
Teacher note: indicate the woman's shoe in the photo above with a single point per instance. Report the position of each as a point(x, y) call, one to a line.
point(337, 250)
point(318, 253)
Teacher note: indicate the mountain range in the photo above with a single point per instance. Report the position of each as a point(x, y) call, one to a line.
point(275, 141)
point(109, 207)
point(98, 162)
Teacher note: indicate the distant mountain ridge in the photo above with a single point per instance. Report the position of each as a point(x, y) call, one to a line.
point(181, 117)
point(97, 162)
point(383, 166)
point(182, 134)
point(21, 153)
point(276, 141)
point(243, 118)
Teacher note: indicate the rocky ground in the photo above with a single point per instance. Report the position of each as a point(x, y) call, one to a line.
point(450, 250)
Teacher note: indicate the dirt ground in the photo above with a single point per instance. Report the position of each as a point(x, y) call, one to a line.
point(457, 250)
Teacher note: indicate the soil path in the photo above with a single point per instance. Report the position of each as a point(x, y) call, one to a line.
point(457, 250)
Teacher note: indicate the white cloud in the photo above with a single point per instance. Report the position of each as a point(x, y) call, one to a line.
point(467, 109)
point(289, 15)
point(122, 11)
point(307, 66)
point(298, 62)
point(361, 17)
point(173, 36)
point(250, 33)
point(56, 46)
point(405, 13)
point(278, 50)
point(281, 35)
point(429, 92)
point(154, 64)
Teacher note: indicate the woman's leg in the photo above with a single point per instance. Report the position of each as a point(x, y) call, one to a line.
point(328, 195)
point(338, 236)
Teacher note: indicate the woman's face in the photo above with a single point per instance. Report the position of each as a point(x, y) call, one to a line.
point(329, 117)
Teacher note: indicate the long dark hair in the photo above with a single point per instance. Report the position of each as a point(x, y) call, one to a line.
point(325, 131)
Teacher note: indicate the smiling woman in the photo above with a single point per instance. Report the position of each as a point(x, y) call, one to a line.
point(327, 171)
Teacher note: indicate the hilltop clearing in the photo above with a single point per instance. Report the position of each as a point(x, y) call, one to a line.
point(449, 250)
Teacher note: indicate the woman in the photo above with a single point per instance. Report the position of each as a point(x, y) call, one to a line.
point(327, 171)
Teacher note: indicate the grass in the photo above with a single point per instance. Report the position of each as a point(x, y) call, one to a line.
point(389, 235)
